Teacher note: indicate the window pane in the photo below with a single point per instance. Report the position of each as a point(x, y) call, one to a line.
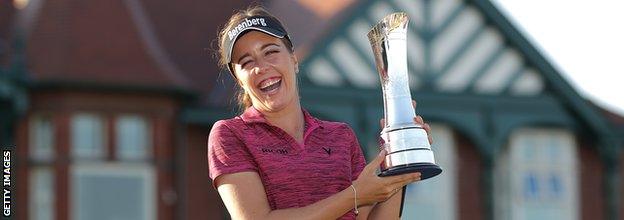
point(555, 187)
point(41, 194)
point(113, 192)
point(87, 135)
point(530, 186)
point(42, 139)
point(133, 138)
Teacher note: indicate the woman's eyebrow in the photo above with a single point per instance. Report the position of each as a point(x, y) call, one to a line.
point(269, 44)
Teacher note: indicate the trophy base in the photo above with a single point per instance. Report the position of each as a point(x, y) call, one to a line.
point(427, 170)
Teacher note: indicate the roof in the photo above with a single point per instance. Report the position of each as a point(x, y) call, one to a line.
point(130, 43)
point(452, 48)
point(6, 18)
point(138, 43)
point(103, 42)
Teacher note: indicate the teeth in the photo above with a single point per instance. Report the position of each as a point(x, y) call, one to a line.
point(268, 83)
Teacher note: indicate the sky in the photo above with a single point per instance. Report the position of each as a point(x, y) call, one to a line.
point(583, 39)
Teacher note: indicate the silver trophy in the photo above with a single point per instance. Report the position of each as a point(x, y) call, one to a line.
point(405, 141)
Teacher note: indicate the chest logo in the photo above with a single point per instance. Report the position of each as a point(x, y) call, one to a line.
point(274, 151)
point(327, 150)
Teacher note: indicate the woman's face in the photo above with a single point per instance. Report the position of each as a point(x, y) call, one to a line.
point(265, 69)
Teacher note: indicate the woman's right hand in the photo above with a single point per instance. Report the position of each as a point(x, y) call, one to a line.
point(372, 188)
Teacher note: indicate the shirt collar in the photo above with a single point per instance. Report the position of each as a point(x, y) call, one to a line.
point(252, 115)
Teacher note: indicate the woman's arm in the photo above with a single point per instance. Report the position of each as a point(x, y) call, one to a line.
point(245, 198)
point(388, 209)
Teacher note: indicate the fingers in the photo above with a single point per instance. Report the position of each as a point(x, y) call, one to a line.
point(403, 179)
point(382, 122)
point(428, 130)
point(397, 182)
point(372, 166)
point(414, 104)
point(419, 120)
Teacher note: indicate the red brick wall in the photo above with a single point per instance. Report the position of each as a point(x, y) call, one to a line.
point(164, 159)
point(591, 176)
point(21, 187)
point(201, 200)
point(470, 170)
point(61, 172)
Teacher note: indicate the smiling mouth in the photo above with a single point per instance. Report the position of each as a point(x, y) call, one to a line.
point(270, 85)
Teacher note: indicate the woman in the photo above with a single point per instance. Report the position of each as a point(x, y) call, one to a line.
point(276, 161)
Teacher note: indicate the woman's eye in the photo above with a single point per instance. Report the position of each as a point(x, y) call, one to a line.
point(245, 64)
point(271, 52)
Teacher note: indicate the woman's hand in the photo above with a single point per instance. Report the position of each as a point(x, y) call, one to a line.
point(418, 120)
point(372, 188)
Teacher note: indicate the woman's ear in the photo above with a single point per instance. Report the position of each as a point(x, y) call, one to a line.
point(296, 62)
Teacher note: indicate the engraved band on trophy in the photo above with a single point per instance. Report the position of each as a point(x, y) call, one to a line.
point(406, 143)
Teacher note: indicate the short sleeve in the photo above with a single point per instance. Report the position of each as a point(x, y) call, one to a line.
point(358, 162)
point(227, 153)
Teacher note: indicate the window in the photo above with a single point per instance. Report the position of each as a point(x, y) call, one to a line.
point(133, 138)
point(41, 175)
point(87, 137)
point(425, 199)
point(41, 199)
point(536, 177)
point(113, 191)
point(41, 138)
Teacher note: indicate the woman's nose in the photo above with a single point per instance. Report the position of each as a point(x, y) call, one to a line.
point(261, 66)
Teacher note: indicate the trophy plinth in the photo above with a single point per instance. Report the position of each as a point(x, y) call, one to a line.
point(406, 142)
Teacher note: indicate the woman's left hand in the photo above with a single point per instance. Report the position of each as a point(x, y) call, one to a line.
point(418, 120)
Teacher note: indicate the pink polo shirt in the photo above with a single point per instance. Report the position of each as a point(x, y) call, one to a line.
point(292, 175)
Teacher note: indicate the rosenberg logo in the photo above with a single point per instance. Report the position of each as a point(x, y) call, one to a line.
point(245, 24)
point(6, 183)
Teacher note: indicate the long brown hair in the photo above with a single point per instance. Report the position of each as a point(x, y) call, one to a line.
point(243, 99)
